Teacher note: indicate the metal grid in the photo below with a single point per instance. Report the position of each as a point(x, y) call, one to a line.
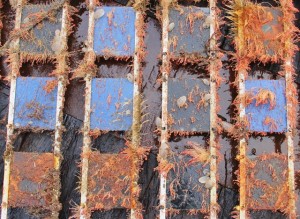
point(166, 128)
point(124, 107)
point(163, 192)
point(270, 29)
point(10, 191)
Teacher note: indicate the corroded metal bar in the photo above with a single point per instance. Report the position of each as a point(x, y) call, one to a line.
point(213, 113)
point(288, 65)
point(164, 131)
point(61, 89)
point(242, 142)
point(10, 125)
point(87, 111)
point(136, 121)
point(290, 144)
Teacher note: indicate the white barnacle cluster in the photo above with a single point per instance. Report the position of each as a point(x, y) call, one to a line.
point(206, 180)
point(181, 101)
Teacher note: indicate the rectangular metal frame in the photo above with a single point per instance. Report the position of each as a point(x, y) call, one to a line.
point(137, 77)
point(62, 81)
point(213, 107)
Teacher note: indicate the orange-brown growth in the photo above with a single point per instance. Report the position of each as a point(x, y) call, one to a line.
point(50, 86)
point(198, 153)
point(108, 181)
point(271, 123)
point(265, 96)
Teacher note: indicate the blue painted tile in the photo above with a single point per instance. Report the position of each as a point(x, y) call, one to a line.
point(192, 117)
point(114, 34)
point(34, 107)
point(257, 114)
point(190, 40)
point(111, 104)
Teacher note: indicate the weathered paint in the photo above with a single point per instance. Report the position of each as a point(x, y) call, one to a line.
point(31, 180)
point(114, 33)
point(111, 104)
point(257, 114)
point(34, 107)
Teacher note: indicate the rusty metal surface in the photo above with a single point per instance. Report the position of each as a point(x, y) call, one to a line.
point(31, 179)
point(108, 181)
point(72, 138)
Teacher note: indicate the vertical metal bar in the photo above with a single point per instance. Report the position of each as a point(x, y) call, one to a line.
point(290, 142)
point(164, 131)
point(289, 134)
point(243, 142)
point(61, 89)
point(10, 125)
point(87, 111)
point(136, 123)
point(213, 113)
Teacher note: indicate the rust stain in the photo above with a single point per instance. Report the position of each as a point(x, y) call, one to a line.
point(108, 181)
point(30, 180)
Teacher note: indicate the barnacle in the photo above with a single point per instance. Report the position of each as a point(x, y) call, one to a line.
point(181, 101)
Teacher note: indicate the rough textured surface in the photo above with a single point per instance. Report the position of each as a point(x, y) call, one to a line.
point(192, 115)
point(30, 179)
point(42, 36)
point(267, 185)
point(190, 34)
point(115, 32)
point(109, 181)
point(111, 104)
point(149, 181)
point(184, 191)
point(264, 113)
point(34, 106)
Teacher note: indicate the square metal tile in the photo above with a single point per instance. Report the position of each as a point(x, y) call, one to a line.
point(114, 34)
point(267, 182)
point(263, 40)
point(41, 37)
point(31, 182)
point(263, 115)
point(194, 115)
point(111, 104)
point(191, 32)
point(35, 107)
point(108, 181)
point(184, 191)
